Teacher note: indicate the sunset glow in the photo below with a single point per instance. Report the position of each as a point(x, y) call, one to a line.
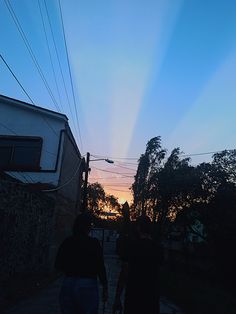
point(139, 70)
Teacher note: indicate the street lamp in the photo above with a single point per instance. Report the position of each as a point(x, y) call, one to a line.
point(85, 198)
point(106, 159)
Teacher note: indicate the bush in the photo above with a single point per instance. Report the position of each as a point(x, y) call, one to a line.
point(196, 295)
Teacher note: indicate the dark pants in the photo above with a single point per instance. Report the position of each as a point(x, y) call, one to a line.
point(79, 296)
point(141, 303)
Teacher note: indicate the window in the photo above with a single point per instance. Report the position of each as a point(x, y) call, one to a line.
point(20, 153)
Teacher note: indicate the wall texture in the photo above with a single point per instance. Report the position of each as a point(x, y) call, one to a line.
point(26, 222)
point(32, 226)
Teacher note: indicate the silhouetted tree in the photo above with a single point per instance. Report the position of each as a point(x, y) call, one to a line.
point(149, 163)
point(112, 202)
point(163, 187)
point(96, 197)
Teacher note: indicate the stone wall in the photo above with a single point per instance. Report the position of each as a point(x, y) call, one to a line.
point(26, 223)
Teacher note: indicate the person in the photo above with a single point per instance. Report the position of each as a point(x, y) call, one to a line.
point(139, 273)
point(80, 259)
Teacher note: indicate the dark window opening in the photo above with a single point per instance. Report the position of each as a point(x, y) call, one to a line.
point(20, 153)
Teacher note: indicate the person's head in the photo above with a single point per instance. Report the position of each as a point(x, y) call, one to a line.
point(82, 224)
point(144, 225)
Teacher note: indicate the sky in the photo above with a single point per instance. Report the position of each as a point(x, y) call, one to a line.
point(140, 69)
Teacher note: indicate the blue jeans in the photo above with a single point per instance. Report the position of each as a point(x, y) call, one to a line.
point(79, 296)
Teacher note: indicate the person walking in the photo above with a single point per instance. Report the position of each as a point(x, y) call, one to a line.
point(139, 273)
point(80, 259)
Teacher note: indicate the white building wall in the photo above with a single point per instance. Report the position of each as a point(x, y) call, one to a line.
point(19, 121)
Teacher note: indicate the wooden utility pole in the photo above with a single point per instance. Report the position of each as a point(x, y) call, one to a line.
point(85, 196)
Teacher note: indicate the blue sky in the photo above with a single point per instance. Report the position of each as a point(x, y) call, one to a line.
point(140, 68)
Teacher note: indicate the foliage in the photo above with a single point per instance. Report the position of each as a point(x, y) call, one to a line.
point(170, 189)
point(112, 203)
point(149, 164)
point(195, 294)
point(98, 200)
point(163, 186)
point(96, 197)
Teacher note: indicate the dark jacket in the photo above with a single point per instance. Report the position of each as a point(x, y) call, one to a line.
point(81, 256)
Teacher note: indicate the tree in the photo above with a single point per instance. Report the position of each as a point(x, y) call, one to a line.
point(112, 202)
point(96, 197)
point(149, 163)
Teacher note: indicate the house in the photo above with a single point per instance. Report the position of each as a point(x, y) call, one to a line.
point(41, 171)
point(37, 147)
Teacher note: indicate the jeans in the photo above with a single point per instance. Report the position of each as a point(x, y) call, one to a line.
point(79, 296)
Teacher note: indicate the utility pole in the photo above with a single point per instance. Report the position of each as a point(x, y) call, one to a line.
point(85, 196)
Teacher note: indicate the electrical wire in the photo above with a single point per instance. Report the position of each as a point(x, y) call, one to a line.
point(59, 62)
point(105, 178)
point(123, 174)
point(118, 190)
point(184, 154)
point(117, 184)
point(67, 182)
point(128, 158)
point(49, 51)
point(32, 55)
point(69, 67)
point(126, 163)
point(206, 153)
point(17, 80)
point(12, 73)
point(123, 167)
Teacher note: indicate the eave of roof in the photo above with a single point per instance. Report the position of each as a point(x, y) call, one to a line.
point(26, 105)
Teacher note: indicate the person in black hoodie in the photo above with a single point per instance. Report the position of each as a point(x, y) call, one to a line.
point(80, 259)
point(139, 273)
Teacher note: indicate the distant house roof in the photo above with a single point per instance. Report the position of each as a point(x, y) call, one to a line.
point(27, 106)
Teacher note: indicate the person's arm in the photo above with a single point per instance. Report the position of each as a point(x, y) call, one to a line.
point(102, 272)
point(60, 261)
point(120, 287)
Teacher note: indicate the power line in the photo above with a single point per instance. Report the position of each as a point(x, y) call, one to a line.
point(123, 174)
point(128, 158)
point(118, 190)
point(22, 87)
point(206, 153)
point(49, 51)
point(134, 164)
point(59, 62)
point(105, 178)
point(123, 167)
point(118, 162)
point(184, 155)
point(11, 71)
point(67, 182)
point(71, 81)
point(28, 46)
point(128, 185)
